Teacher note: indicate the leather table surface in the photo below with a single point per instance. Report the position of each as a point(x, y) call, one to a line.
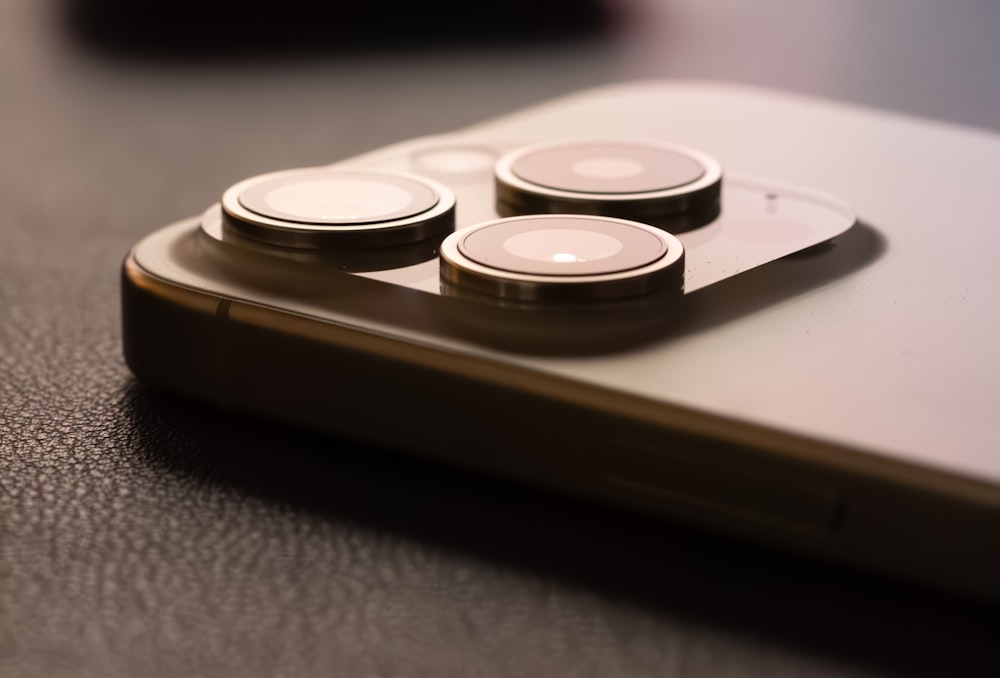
point(142, 535)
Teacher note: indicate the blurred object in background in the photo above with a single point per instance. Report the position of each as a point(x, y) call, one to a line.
point(240, 28)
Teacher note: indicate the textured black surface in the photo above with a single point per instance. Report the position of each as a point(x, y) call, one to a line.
point(145, 536)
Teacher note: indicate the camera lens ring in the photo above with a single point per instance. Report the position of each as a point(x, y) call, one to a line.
point(287, 208)
point(651, 261)
point(666, 185)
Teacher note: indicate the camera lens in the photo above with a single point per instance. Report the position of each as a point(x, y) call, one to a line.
point(318, 208)
point(562, 258)
point(562, 246)
point(558, 247)
point(671, 187)
point(338, 200)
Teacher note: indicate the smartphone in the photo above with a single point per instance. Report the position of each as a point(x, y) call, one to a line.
point(764, 315)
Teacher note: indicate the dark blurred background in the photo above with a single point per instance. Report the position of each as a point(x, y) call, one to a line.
point(144, 536)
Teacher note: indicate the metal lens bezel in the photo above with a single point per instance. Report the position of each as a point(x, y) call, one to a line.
point(460, 272)
point(433, 218)
point(679, 207)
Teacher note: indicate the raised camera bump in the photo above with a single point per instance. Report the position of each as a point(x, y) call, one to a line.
point(672, 187)
point(339, 208)
point(562, 258)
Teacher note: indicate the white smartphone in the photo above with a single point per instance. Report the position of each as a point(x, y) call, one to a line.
point(657, 295)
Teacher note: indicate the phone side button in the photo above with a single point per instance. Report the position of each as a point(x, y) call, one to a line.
point(669, 484)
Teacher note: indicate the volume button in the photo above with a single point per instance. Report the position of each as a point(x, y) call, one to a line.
point(658, 479)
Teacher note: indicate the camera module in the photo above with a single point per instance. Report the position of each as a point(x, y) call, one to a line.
point(671, 187)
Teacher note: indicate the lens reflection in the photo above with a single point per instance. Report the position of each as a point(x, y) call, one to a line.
point(338, 199)
point(567, 245)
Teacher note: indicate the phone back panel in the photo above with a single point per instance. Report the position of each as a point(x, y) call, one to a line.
point(887, 345)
